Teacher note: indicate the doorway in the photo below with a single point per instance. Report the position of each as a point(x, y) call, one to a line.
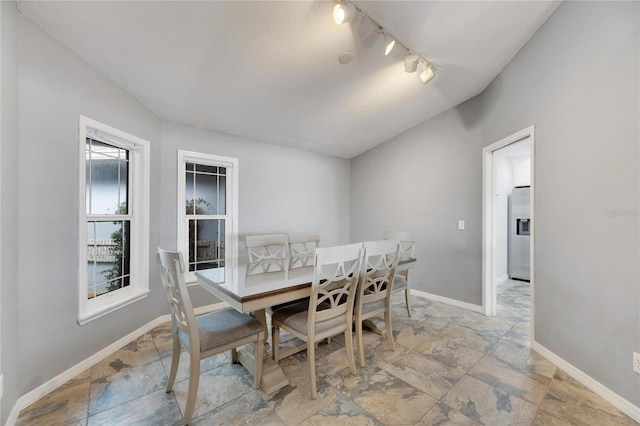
point(507, 164)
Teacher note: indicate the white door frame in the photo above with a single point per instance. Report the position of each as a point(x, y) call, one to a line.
point(489, 284)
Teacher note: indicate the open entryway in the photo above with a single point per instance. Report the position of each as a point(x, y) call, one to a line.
point(508, 231)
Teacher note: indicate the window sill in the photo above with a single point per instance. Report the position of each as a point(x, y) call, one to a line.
point(118, 303)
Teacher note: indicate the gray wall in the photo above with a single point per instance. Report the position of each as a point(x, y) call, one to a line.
point(9, 276)
point(424, 181)
point(577, 81)
point(281, 189)
point(55, 88)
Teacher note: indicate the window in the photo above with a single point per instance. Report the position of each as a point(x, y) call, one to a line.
point(114, 224)
point(207, 209)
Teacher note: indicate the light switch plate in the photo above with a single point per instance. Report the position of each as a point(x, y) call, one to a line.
point(461, 225)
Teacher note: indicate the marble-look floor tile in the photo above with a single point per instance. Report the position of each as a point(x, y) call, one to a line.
point(139, 352)
point(65, 405)
point(488, 405)
point(450, 353)
point(391, 400)
point(293, 403)
point(411, 335)
point(126, 385)
point(520, 333)
point(156, 408)
point(443, 415)
point(377, 352)
point(249, 409)
point(524, 359)
point(429, 376)
point(206, 364)
point(216, 387)
point(571, 404)
point(500, 375)
point(342, 411)
point(465, 336)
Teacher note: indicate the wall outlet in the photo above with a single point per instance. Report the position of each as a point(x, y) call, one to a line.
point(636, 362)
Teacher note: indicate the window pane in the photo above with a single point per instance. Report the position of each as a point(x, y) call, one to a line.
point(205, 189)
point(189, 202)
point(222, 195)
point(206, 169)
point(108, 255)
point(206, 194)
point(107, 171)
point(206, 244)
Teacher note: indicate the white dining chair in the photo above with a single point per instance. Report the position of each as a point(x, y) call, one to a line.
point(205, 335)
point(373, 298)
point(267, 253)
point(407, 251)
point(302, 248)
point(329, 311)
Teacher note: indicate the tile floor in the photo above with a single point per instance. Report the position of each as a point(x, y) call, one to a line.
point(450, 367)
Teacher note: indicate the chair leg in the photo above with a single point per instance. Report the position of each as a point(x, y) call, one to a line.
point(192, 393)
point(348, 338)
point(406, 299)
point(259, 355)
point(359, 341)
point(175, 360)
point(275, 342)
point(234, 356)
point(387, 320)
point(311, 359)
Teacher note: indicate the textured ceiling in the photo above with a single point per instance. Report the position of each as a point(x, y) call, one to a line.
point(269, 71)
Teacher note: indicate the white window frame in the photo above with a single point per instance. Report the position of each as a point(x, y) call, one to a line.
point(231, 216)
point(138, 203)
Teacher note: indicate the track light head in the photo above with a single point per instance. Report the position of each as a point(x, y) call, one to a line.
point(343, 12)
point(387, 42)
point(365, 26)
point(427, 73)
point(410, 62)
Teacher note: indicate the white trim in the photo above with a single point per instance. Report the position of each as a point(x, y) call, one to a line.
point(452, 302)
point(489, 282)
point(50, 385)
point(139, 196)
point(598, 388)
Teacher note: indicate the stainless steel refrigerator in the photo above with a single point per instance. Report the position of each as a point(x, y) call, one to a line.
point(519, 233)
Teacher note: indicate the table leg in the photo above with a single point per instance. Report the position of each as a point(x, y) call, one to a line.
point(375, 324)
point(273, 377)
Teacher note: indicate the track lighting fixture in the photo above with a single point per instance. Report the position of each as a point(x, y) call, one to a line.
point(343, 12)
point(410, 62)
point(427, 73)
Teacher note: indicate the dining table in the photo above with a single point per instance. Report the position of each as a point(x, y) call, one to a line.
point(253, 288)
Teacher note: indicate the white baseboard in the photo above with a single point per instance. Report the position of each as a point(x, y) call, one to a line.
point(54, 383)
point(453, 302)
point(598, 388)
point(502, 279)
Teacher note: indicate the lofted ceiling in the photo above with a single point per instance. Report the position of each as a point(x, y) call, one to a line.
point(269, 70)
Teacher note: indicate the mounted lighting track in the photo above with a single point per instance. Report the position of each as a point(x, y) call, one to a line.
point(346, 11)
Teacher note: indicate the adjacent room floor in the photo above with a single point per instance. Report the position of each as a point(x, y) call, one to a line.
point(450, 367)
